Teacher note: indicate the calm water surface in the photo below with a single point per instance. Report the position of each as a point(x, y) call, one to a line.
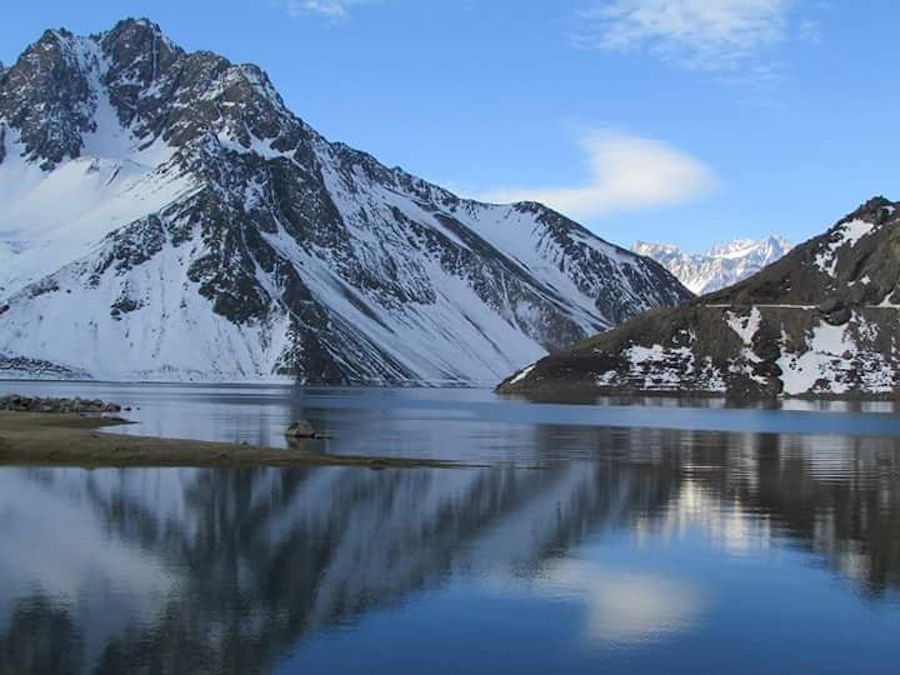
point(655, 537)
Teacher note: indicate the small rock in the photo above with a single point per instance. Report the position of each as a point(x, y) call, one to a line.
point(300, 429)
point(839, 317)
point(830, 305)
point(376, 464)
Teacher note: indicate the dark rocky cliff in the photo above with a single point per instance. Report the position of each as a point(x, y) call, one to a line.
point(823, 321)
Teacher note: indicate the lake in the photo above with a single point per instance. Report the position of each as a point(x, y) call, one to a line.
point(645, 536)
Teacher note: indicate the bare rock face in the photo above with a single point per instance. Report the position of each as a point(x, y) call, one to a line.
point(822, 322)
point(228, 240)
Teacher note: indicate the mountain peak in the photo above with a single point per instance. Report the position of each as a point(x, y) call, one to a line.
point(131, 25)
point(719, 266)
point(209, 233)
point(875, 210)
point(138, 49)
point(131, 86)
point(45, 96)
point(55, 35)
point(649, 247)
point(131, 38)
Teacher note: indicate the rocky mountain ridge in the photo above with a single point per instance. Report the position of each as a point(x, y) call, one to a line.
point(163, 215)
point(821, 322)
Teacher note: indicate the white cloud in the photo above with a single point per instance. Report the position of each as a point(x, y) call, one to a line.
point(710, 35)
point(626, 173)
point(331, 8)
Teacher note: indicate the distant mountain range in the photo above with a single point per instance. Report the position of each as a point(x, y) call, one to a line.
point(821, 322)
point(720, 266)
point(164, 216)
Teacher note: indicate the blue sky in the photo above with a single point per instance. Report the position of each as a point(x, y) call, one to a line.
point(690, 121)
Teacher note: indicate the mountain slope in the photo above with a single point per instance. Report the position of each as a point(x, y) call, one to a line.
point(164, 216)
point(720, 266)
point(820, 322)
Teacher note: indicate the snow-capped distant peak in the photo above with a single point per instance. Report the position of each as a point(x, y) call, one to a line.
point(721, 265)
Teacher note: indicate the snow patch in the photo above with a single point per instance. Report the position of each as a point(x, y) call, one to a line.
point(48, 219)
point(848, 235)
point(745, 326)
point(833, 361)
point(658, 368)
point(522, 374)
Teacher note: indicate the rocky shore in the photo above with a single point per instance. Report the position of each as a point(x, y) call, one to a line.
point(18, 403)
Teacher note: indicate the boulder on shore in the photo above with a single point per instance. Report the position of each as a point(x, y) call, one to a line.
point(300, 429)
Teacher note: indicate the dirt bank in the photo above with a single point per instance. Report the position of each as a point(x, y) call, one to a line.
point(51, 439)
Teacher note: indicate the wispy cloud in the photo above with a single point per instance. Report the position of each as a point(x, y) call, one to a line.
point(627, 173)
point(334, 9)
point(710, 35)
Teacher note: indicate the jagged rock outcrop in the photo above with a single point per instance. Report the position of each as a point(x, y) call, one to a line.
point(718, 267)
point(821, 322)
point(163, 215)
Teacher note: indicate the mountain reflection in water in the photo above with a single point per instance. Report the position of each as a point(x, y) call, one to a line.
point(192, 571)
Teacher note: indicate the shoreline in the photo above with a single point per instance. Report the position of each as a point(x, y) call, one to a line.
point(586, 393)
point(69, 440)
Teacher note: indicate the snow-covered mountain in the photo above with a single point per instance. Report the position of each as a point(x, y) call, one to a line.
point(720, 266)
point(163, 215)
point(822, 321)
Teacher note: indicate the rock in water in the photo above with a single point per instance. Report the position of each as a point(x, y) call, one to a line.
point(300, 429)
point(821, 322)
